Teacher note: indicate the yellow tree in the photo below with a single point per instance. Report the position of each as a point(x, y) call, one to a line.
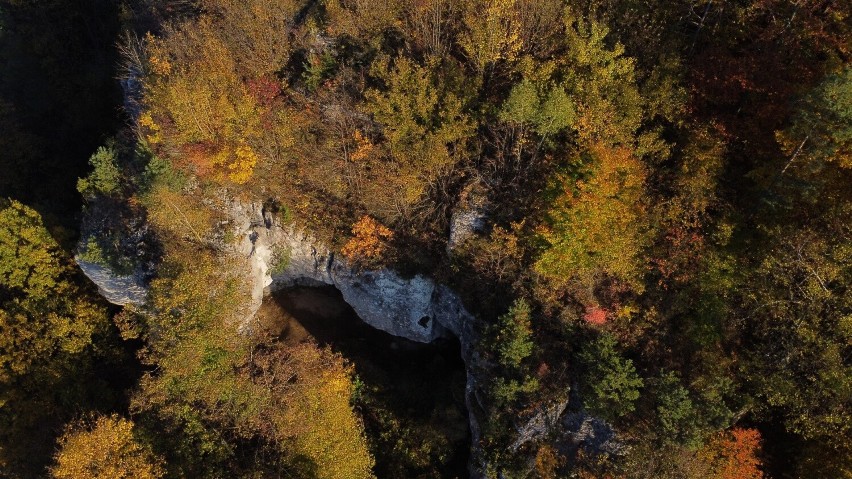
point(104, 448)
point(594, 226)
point(423, 118)
point(43, 313)
point(491, 32)
point(602, 81)
point(217, 389)
point(204, 98)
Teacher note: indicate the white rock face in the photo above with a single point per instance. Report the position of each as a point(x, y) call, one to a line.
point(413, 308)
point(116, 289)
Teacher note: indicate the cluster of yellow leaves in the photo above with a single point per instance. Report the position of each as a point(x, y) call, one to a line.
point(492, 32)
point(105, 449)
point(362, 18)
point(42, 311)
point(206, 101)
point(333, 435)
point(152, 135)
point(239, 163)
point(296, 396)
point(157, 57)
point(364, 148)
point(369, 242)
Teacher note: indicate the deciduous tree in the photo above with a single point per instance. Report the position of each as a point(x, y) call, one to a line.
point(102, 447)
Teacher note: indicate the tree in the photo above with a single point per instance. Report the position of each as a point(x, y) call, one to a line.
point(594, 225)
point(512, 345)
point(422, 114)
point(680, 421)
point(43, 311)
point(602, 82)
point(223, 397)
point(733, 454)
point(105, 177)
point(821, 131)
point(610, 382)
point(105, 447)
point(797, 302)
point(548, 111)
point(51, 331)
point(204, 99)
point(514, 335)
point(369, 243)
point(491, 32)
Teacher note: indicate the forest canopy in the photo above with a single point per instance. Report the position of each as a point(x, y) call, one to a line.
point(646, 206)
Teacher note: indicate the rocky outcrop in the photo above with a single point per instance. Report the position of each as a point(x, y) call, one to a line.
point(582, 430)
point(115, 288)
point(415, 307)
point(127, 251)
point(543, 422)
point(279, 255)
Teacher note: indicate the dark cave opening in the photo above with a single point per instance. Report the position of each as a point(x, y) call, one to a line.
point(410, 394)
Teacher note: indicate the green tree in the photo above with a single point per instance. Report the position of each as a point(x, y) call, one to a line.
point(512, 345)
point(678, 416)
point(514, 335)
point(610, 382)
point(820, 133)
point(548, 111)
point(797, 303)
point(105, 177)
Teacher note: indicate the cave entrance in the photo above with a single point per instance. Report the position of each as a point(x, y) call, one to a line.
point(410, 395)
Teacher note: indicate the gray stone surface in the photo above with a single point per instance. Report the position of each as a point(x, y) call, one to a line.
point(469, 216)
point(117, 289)
point(580, 429)
point(544, 421)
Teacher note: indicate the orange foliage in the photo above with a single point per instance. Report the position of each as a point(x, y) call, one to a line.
point(198, 156)
point(733, 454)
point(369, 241)
point(595, 225)
point(595, 315)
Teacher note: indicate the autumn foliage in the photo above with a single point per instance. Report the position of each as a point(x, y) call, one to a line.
point(369, 242)
point(734, 454)
point(595, 315)
point(106, 447)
